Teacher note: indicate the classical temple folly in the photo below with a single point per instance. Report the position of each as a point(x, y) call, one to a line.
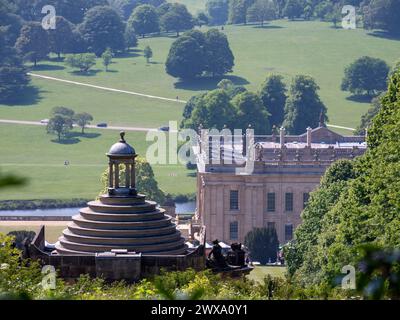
point(121, 235)
point(122, 218)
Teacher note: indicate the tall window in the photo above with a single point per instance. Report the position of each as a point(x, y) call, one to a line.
point(234, 200)
point(271, 202)
point(306, 197)
point(288, 232)
point(234, 230)
point(288, 201)
point(271, 225)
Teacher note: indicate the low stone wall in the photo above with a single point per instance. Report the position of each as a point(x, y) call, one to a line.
point(113, 267)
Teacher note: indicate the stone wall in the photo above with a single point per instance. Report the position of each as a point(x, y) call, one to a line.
point(113, 267)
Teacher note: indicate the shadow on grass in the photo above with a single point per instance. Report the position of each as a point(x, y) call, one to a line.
point(47, 67)
point(384, 35)
point(360, 98)
point(66, 140)
point(192, 174)
point(90, 73)
point(28, 97)
point(266, 27)
point(86, 135)
point(208, 83)
point(132, 53)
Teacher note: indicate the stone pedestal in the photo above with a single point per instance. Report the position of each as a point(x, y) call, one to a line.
point(113, 266)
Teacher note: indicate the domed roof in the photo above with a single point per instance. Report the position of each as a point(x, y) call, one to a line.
point(121, 147)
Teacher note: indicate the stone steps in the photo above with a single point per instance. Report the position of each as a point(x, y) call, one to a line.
point(150, 224)
point(147, 248)
point(98, 206)
point(121, 233)
point(102, 240)
point(89, 214)
point(122, 200)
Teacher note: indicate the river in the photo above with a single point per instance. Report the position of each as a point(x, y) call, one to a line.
point(185, 207)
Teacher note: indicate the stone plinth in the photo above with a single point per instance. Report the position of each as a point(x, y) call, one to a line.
point(112, 266)
point(121, 222)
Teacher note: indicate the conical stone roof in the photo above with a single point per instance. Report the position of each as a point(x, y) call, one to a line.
point(130, 223)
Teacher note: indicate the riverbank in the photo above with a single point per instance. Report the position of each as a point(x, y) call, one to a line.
point(36, 204)
point(43, 204)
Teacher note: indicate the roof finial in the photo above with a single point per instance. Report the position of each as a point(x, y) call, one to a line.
point(122, 134)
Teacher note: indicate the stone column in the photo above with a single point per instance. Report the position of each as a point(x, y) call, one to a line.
point(117, 175)
point(127, 175)
point(282, 136)
point(133, 179)
point(309, 138)
point(110, 175)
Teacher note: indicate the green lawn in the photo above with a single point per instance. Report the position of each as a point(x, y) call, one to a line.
point(260, 272)
point(30, 152)
point(283, 47)
point(52, 232)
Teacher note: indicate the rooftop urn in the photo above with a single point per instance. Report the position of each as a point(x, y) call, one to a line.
point(121, 153)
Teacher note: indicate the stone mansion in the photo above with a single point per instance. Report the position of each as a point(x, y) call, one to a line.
point(286, 168)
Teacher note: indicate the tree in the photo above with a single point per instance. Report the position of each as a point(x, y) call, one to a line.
point(250, 111)
point(107, 57)
point(366, 119)
point(273, 96)
point(219, 56)
point(263, 244)
point(384, 14)
point(238, 10)
point(260, 11)
point(84, 61)
point(321, 201)
point(130, 37)
point(304, 107)
point(62, 38)
point(293, 9)
point(366, 76)
point(144, 20)
point(63, 111)
point(185, 58)
point(11, 24)
point(33, 43)
point(103, 28)
point(177, 18)
point(211, 110)
point(148, 53)
point(146, 182)
point(201, 19)
point(82, 120)
point(218, 11)
point(13, 77)
point(60, 125)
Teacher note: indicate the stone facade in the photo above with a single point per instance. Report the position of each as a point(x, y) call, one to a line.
point(276, 188)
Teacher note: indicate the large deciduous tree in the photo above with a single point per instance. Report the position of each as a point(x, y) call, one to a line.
point(185, 58)
point(261, 11)
point(13, 77)
point(33, 42)
point(250, 111)
point(218, 11)
point(219, 57)
point(263, 244)
point(103, 28)
point(366, 76)
point(238, 10)
point(293, 9)
point(62, 38)
point(144, 20)
point(304, 107)
point(273, 96)
point(383, 14)
point(177, 18)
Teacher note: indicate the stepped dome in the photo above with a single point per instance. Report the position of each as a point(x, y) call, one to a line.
point(122, 218)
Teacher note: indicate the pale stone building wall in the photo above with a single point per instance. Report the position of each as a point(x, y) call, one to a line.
point(293, 167)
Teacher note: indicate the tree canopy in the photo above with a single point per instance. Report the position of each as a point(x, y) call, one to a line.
point(304, 107)
point(144, 20)
point(103, 28)
point(366, 76)
point(263, 244)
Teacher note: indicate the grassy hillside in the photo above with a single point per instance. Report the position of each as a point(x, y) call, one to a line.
point(194, 6)
point(283, 47)
point(31, 153)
